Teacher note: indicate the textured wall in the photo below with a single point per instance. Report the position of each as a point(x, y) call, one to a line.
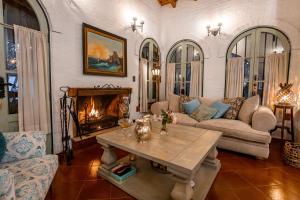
point(190, 18)
point(166, 26)
point(66, 48)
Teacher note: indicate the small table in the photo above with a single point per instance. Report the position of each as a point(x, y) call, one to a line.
point(189, 154)
point(285, 117)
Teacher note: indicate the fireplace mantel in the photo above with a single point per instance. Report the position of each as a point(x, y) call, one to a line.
point(73, 92)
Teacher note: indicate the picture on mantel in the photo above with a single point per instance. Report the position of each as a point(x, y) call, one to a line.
point(103, 53)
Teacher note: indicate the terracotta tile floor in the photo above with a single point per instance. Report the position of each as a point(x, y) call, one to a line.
point(241, 177)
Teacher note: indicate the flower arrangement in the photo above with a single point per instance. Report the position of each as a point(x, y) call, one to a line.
point(167, 117)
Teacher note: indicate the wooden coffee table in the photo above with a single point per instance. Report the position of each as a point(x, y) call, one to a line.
point(189, 154)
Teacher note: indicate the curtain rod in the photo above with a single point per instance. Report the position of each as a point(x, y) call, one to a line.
point(12, 27)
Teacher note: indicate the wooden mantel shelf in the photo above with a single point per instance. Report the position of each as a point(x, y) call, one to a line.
point(73, 92)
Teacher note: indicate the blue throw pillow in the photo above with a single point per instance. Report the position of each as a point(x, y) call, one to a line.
point(2, 146)
point(190, 106)
point(221, 107)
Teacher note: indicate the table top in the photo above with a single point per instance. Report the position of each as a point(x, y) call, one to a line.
point(184, 148)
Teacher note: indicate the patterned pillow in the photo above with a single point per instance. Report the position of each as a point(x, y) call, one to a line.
point(203, 112)
point(24, 145)
point(184, 99)
point(236, 104)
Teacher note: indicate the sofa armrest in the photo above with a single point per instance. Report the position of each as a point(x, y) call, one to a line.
point(24, 145)
point(158, 106)
point(7, 185)
point(263, 119)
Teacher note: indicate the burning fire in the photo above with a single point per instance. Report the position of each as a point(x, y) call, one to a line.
point(94, 112)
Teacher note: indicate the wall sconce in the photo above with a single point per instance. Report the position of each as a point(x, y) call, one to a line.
point(135, 27)
point(214, 31)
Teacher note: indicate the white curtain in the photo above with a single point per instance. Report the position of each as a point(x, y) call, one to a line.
point(170, 79)
point(235, 77)
point(195, 77)
point(276, 73)
point(143, 85)
point(32, 68)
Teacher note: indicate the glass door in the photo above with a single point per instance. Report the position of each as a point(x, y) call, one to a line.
point(254, 45)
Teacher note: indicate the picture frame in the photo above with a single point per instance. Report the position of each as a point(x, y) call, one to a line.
point(104, 53)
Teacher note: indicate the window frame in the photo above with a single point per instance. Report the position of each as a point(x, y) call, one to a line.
point(150, 62)
point(184, 43)
point(255, 33)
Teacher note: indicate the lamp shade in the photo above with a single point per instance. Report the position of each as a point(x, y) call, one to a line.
point(285, 95)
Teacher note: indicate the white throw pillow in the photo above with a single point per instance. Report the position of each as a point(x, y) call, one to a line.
point(249, 106)
point(174, 102)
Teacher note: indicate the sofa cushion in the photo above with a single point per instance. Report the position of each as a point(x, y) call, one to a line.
point(174, 102)
point(24, 145)
point(203, 112)
point(32, 177)
point(236, 129)
point(184, 119)
point(236, 104)
point(221, 107)
point(249, 106)
point(184, 99)
point(207, 101)
point(190, 106)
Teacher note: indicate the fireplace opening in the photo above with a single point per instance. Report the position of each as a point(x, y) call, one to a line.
point(96, 113)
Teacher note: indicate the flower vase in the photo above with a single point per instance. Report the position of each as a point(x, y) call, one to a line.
point(163, 130)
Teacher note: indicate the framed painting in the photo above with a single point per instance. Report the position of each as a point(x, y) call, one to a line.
point(103, 53)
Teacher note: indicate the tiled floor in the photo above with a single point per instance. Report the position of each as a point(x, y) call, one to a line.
point(241, 177)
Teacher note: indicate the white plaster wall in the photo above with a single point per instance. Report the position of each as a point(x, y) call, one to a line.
point(115, 16)
point(190, 18)
point(167, 26)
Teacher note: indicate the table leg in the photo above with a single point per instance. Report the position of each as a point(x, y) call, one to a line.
point(182, 189)
point(292, 125)
point(108, 159)
point(282, 123)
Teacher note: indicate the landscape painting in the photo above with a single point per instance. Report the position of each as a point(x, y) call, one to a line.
point(104, 53)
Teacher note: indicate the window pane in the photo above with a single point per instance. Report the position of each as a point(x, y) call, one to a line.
point(241, 47)
point(145, 51)
point(19, 12)
point(178, 54)
point(262, 45)
point(190, 53)
point(261, 69)
point(260, 90)
point(247, 69)
point(270, 43)
point(153, 90)
point(155, 53)
point(234, 51)
point(177, 72)
point(246, 90)
point(177, 88)
point(248, 46)
point(12, 93)
point(187, 89)
point(10, 50)
point(196, 55)
point(188, 72)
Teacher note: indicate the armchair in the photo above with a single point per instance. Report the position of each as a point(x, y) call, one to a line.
point(26, 172)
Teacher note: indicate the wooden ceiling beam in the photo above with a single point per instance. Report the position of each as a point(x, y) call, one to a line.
point(165, 2)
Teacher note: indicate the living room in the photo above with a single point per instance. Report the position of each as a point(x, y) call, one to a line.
point(189, 99)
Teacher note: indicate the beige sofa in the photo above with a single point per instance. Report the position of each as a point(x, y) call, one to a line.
point(237, 136)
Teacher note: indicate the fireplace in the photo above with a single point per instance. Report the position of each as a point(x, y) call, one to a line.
point(99, 108)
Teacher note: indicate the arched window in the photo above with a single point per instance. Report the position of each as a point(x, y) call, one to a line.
point(257, 49)
point(186, 57)
point(149, 59)
point(25, 13)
